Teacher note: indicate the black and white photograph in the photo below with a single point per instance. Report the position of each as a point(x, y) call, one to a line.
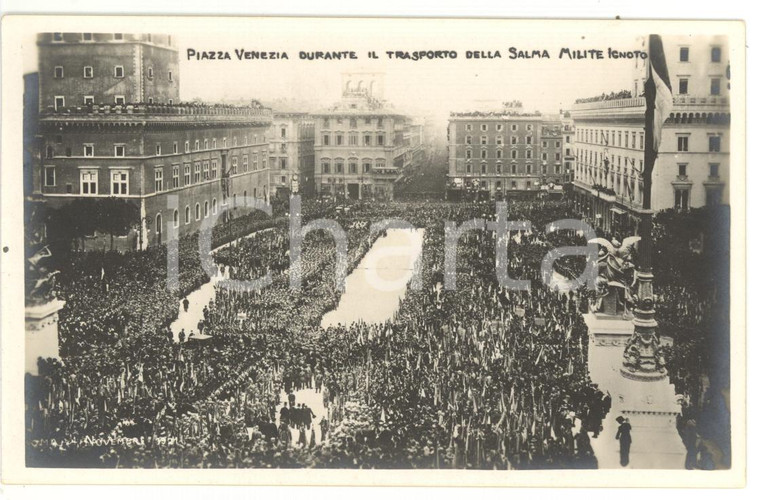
point(411, 246)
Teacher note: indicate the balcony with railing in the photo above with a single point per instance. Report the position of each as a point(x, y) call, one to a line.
point(160, 112)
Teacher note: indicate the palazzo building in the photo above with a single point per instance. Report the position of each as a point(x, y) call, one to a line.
point(362, 146)
point(291, 154)
point(692, 167)
point(494, 153)
point(111, 124)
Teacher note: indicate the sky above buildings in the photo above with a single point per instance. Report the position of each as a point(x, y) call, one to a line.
point(423, 87)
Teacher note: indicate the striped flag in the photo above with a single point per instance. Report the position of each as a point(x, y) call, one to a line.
point(657, 90)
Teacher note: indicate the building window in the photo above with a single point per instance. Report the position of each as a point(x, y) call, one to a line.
point(175, 148)
point(213, 143)
point(88, 182)
point(499, 127)
point(205, 171)
point(683, 86)
point(684, 54)
point(529, 154)
point(469, 168)
point(150, 73)
point(171, 76)
point(682, 169)
point(544, 156)
point(499, 140)
point(715, 54)
point(483, 127)
point(714, 86)
point(118, 36)
point(57, 37)
point(58, 72)
point(483, 168)
point(714, 143)
point(353, 139)
point(158, 150)
point(198, 211)
point(119, 150)
point(175, 176)
point(681, 199)
point(187, 146)
point(338, 166)
point(205, 209)
point(468, 154)
point(683, 143)
point(325, 167)
point(187, 174)
point(119, 100)
point(468, 127)
point(367, 140)
point(175, 218)
point(367, 166)
point(529, 168)
point(338, 139)
point(118, 71)
point(483, 140)
point(468, 140)
point(514, 154)
point(213, 205)
point(326, 139)
point(89, 150)
point(714, 169)
point(187, 214)
point(49, 176)
point(352, 166)
point(499, 154)
point(528, 139)
point(60, 102)
point(483, 154)
point(159, 176)
point(245, 163)
point(120, 182)
point(196, 173)
point(498, 168)
point(513, 170)
point(513, 139)
point(380, 139)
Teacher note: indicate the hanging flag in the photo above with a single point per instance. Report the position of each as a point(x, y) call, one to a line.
point(657, 90)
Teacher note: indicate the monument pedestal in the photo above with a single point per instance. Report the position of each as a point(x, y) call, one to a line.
point(650, 405)
point(41, 333)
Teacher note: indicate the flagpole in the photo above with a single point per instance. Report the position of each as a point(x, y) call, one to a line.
point(641, 355)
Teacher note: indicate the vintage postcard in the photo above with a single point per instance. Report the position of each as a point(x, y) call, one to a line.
point(373, 251)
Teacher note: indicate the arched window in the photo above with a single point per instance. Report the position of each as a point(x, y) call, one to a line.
point(205, 209)
point(187, 214)
point(197, 211)
point(159, 228)
point(213, 205)
point(175, 218)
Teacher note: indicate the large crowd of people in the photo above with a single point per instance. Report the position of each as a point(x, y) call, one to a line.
point(477, 377)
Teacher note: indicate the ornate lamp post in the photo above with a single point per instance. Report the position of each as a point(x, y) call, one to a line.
point(642, 358)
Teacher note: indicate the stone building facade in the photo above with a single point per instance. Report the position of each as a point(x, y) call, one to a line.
point(494, 153)
point(291, 154)
point(180, 163)
point(362, 146)
point(692, 167)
